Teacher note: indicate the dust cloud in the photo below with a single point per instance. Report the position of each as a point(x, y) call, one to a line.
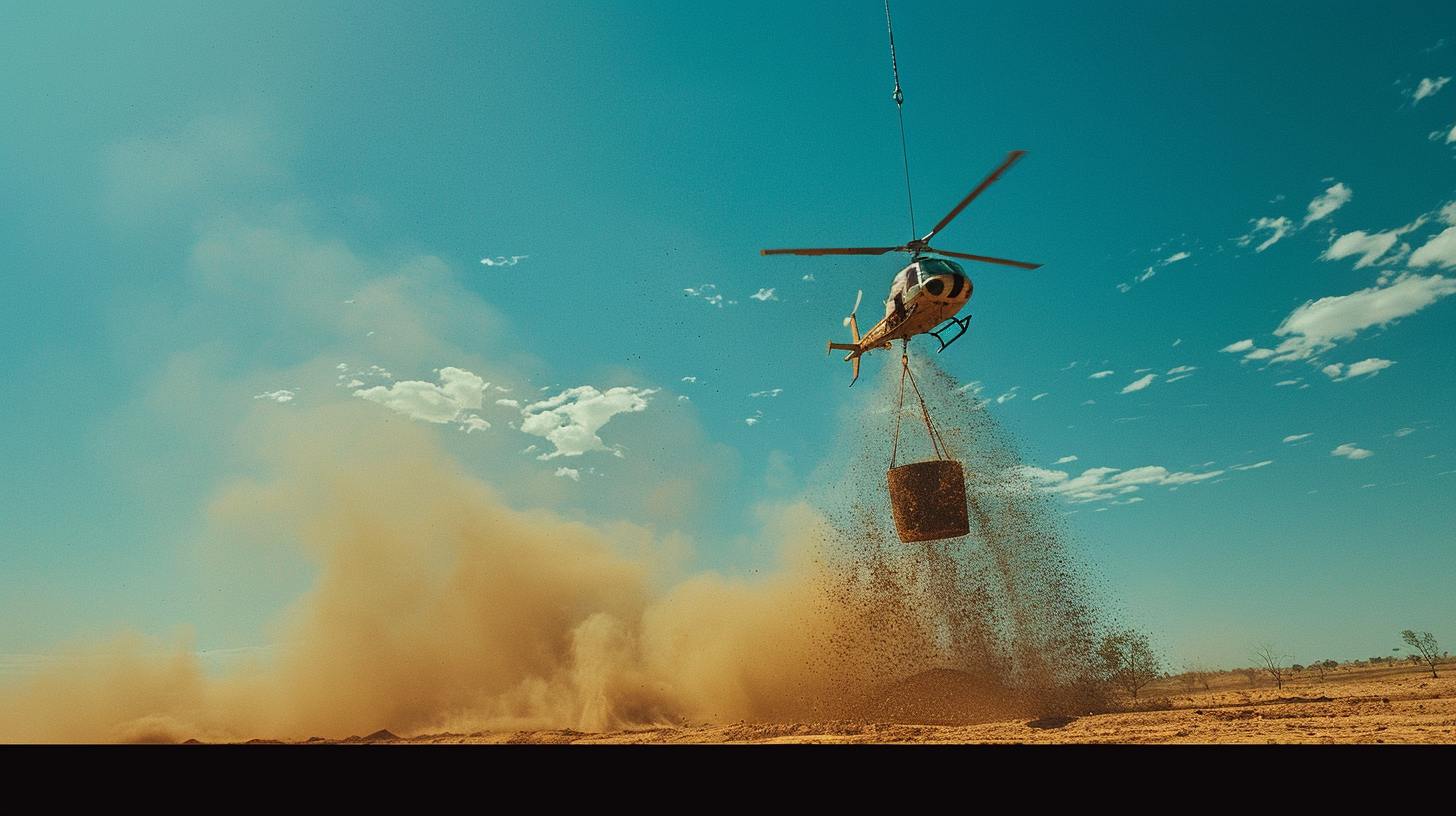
point(438, 608)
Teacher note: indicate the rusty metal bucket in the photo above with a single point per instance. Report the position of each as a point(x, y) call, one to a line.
point(929, 500)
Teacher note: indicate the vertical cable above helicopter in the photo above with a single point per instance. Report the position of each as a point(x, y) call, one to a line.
point(899, 98)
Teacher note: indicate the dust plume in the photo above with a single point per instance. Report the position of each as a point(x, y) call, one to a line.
point(436, 607)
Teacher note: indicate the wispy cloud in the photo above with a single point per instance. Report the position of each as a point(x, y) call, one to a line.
point(1099, 375)
point(764, 294)
point(1427, 87)
point(1066, 459)
point(1008, 396)
point(1370, 247)
point(1138, 384)
point(1440, 250)
point(570, 420)
point(1152, 270)
point(707, 292)
point(1319, 325)
point(1276, 228)
point(569, 473)
point(1372, 366)
point(1256, 465)
point(1103, 484)
point(503, 260)
point(1297, 437)
point(277, 396)
point(1350, 451)
point(1322, 205)
point(772, 392)
point(1273, 230)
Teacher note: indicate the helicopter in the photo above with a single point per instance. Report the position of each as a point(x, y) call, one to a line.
point(927, 293)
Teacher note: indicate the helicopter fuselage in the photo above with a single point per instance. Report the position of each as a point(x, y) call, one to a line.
point(923, 295)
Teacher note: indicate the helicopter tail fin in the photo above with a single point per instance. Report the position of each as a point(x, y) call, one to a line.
point(851, 322)
point(856, 371)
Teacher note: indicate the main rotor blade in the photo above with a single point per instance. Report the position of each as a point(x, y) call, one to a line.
point(1011, 159)
point(985, 259)
point(839, 251)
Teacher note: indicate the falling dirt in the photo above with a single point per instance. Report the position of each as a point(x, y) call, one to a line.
point(995, 624)
point(439, 609)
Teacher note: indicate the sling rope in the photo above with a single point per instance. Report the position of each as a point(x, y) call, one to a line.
point(936, 442)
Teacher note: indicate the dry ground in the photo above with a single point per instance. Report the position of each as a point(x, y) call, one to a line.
point(1369, 705)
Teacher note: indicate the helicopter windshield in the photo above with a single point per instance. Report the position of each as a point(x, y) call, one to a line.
point(936, 266)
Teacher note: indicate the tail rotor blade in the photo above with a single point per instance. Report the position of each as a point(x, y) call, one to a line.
point(1011, 158)
point(855, 310)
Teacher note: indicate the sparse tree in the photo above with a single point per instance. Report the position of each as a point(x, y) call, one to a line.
point(1194, 676)
point(1425, 644)
point(1272, 663)
point(1128, 661)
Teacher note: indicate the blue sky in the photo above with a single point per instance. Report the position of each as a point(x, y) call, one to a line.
point(538, 225)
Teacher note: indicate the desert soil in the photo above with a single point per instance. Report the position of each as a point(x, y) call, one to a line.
point(1389, 705)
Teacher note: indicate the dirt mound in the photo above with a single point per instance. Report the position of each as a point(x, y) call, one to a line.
point(942, 697)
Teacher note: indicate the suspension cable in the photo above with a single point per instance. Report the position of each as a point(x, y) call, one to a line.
point(899, 98)
point(936, 441)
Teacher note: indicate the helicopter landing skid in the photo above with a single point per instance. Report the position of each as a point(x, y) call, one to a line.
point(961, 323)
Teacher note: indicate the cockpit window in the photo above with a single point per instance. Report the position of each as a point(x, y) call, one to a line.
point(936, 266)
point(910, 277)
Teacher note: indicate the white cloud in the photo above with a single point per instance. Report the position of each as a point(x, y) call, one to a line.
point(1350, 451)
point(764, 294)
point(570, 473)
point(1276, 227)
point(1368, 247)
point(472, 422)
point(1152, 270)
point(772, 392)
point(690, 379)
point(1439, 250)
point(1333, 199)
point(458, 391)
point(1008, 396)
point(1242, 345)
point(509, 403)
point(1371, 366)
point(809, 278)
point(1182, 369)
point(570, 420)
point(1297, 437)
point(706, 293)
point(502, 260)
point(1099, 375)
point(1251, 467)
point(1318, 325)
point(1139, 384)
point(1428, 87)
point(1039, 396)
point(1066, 459)
point(1294, 381)
point(1098, 484)
point(277, 396)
